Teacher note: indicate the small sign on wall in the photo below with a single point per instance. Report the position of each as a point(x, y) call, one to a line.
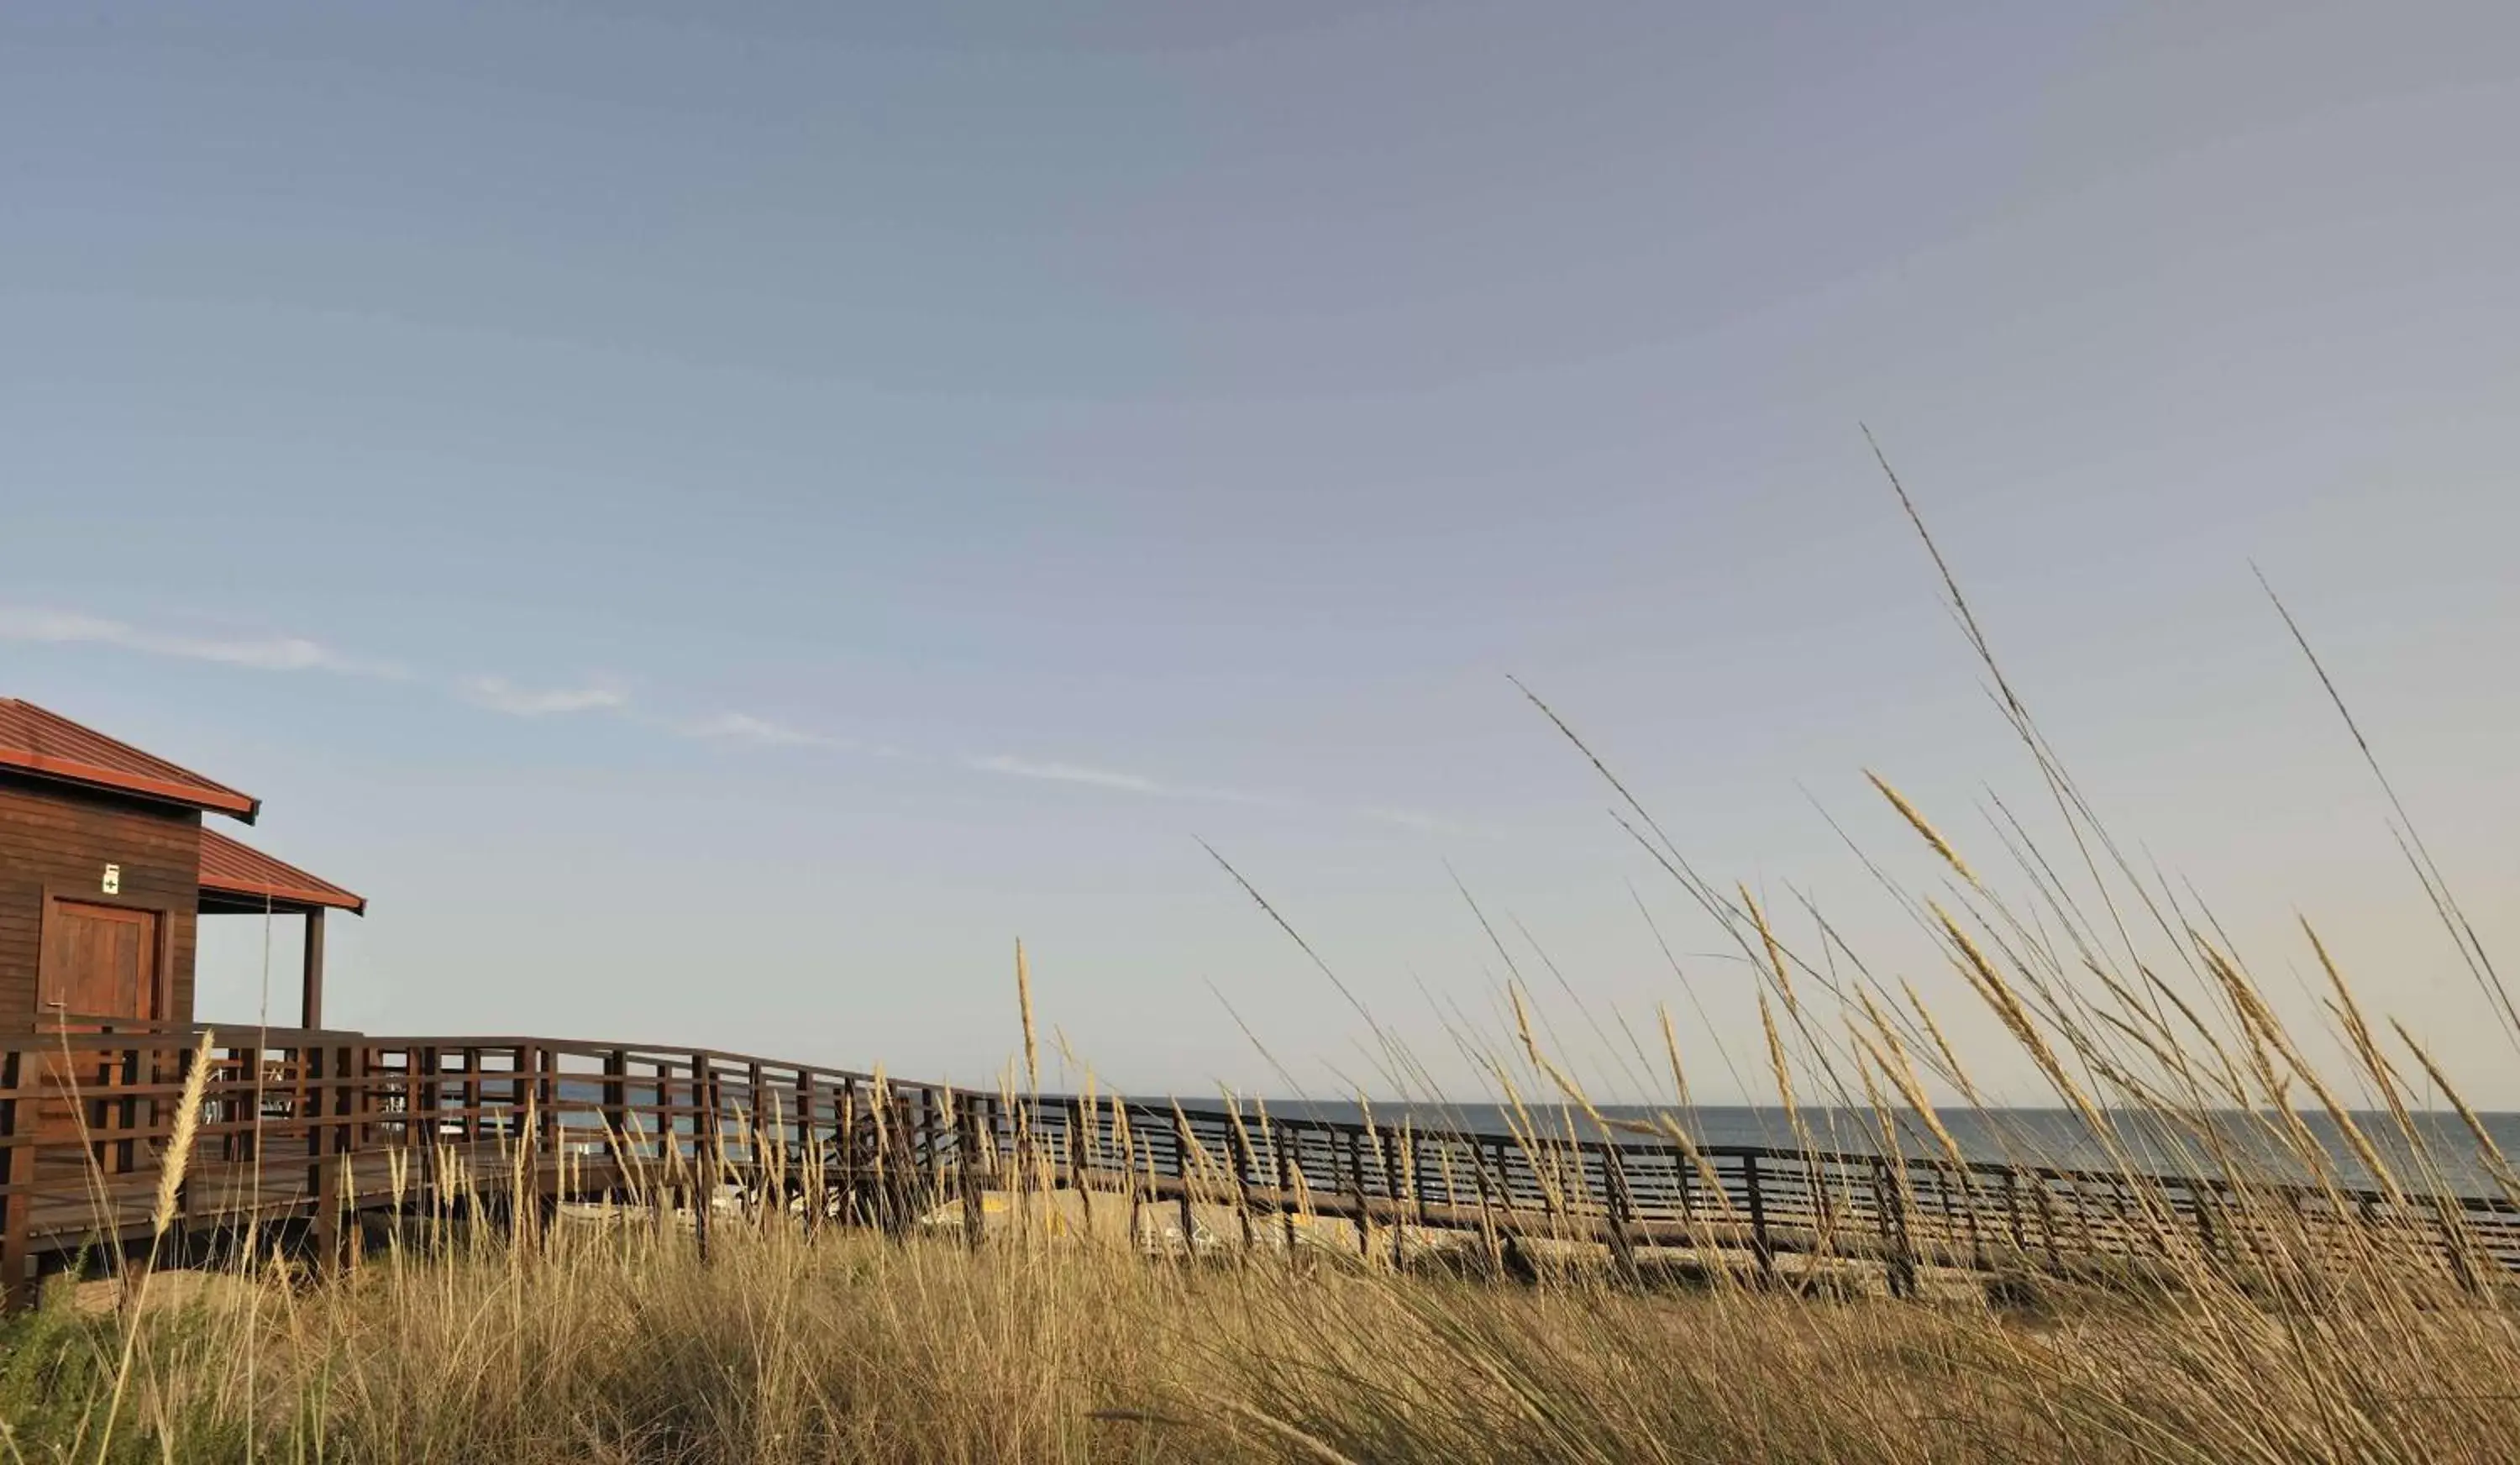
point(111, 884)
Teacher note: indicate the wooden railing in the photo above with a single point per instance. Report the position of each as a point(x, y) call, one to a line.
point(306, 1130)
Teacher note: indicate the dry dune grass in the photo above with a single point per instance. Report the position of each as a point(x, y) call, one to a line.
point(610, 1338)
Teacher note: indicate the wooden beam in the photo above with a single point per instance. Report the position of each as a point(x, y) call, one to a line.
point(311, 992)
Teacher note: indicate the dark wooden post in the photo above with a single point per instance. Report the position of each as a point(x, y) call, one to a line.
point(1286, 1183)
point(705, 1171)
point(551, 1158)
point(320, 1175)
point(1081, 1150)
point(811, 1183)
point(2454, 1244)
point(2204, 1218)
point(471, 1094)
point(310, 979)
point(1356, 1194)
point(934, 1121)
point(967, 1162)
point(1182, 1149)
point(1238, 1147)
point(323, 1143)
point(1385, 1145)
point(757, 1147)
point(1759, 1248)
point(1487, 1217)
point(617, 1098)
point(1622, 1208)
point(16, 1171)
point(1890, 1200)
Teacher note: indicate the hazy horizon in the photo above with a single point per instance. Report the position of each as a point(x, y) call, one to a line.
point(717, 525)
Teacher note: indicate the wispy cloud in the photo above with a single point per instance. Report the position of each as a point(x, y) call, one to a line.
point(268, 653)
point(496, 693)
point(499, 694)
point(1103, 778)
point(1411, 818)
point(758, 732)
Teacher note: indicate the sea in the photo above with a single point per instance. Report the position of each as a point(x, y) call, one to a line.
point(2059, 1138)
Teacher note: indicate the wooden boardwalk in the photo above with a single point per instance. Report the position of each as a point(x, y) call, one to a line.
point(303, 1133)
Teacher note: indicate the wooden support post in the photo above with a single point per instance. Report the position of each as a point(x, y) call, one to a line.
point(1760, 1250)
point(421, 1128)
point(756, 1157)
point(326, 1177)
point(705, 1171)
point(1487, 1219)
point(1078, 1176)
point(310, 977)
point(616, 1100)
point(966, 1164)
point(811, 1183)
point(19, 1126)
point(935, 1121)
point(1285, 1184)
point(1385, 1145)
point(1890, 1199)
point(1238, 1147)
point(1622, 1209)
point(471, 1094)
point(2456, 1244)
point(1356, 1194)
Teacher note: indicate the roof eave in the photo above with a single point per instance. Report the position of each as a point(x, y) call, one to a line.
point(237, 806)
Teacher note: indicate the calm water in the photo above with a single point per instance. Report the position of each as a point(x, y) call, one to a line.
point(2056, 1137)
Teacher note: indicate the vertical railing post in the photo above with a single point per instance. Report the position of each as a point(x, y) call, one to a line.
point(1386, 1145)
point(1622, 1209)
point(811, 1183)
point(755, 1128)
point(1285, 1182)
point(551, 1184)
point(617, 1105)
point(1183, 1145)
point(967, 1162)
point(1760, 1250)
point(1237, 1143)
point(473, 1115)
point(706, 1176)
point(1890, 1201)
point(18, 1124)
point(935, 1121)
point(1080, 1158)
point(315, 1112)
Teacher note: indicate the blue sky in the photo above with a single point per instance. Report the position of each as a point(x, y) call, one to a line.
point(718, 524)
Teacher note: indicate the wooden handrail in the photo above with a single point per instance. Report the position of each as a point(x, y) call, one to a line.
point(335, 1099)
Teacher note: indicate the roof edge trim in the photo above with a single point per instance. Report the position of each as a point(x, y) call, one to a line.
point(241, 806)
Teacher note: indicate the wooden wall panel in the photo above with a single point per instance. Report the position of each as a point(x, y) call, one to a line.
point(63, 837)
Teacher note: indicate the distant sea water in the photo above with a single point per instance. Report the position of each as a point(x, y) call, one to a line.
point(2053, 1138)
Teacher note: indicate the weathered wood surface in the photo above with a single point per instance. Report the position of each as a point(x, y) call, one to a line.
point(305, 1132)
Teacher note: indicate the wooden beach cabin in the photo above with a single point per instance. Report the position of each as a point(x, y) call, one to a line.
point(104, 868)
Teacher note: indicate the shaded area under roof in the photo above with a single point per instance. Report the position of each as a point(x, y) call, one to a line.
point(237, 879)
point(47, 744)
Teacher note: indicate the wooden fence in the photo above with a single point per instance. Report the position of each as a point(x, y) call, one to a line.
point(304, 1132)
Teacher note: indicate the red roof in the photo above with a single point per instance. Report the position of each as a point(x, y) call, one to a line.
point(237, 874)
point(36, 741)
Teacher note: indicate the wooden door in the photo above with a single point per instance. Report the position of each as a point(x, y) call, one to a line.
point(100, 963)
